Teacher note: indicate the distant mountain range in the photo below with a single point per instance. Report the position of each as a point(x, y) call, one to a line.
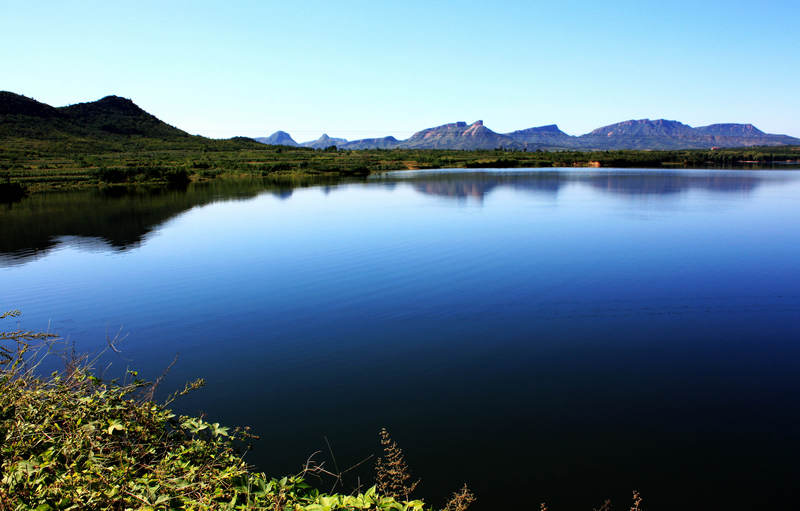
point(283, 138)
point(633, 134)
point(115, 120)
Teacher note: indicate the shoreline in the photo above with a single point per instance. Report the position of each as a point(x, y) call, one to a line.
point(55, 171)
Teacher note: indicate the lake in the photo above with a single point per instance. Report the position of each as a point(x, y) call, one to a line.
point(565, 335)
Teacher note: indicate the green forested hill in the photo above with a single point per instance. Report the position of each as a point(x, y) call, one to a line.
point(109, 124)
point(119, 116)
point(21, 116)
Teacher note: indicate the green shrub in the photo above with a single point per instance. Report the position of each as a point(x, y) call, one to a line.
point(73, 441)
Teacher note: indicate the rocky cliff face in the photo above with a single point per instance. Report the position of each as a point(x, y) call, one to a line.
point(632, 134)
point(278, 138)
point(731, 130)
point(644, 128)
point(665, 134)
point(459, 135)
point(541, 137)
point(324, 142)
point(372, 143)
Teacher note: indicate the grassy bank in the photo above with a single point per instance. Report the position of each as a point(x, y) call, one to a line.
point(39, 167)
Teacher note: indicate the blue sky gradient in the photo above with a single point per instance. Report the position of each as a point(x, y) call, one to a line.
point(360, 69)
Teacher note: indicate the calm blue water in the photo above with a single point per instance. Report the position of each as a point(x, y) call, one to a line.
point(572, 334)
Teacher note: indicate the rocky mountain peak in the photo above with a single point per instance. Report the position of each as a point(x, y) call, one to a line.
point(732, 130)
point(643, 128)
point(278, 138)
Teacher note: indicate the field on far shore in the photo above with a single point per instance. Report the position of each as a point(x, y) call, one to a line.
point(41, 166)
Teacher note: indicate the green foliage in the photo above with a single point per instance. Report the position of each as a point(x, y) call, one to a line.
point(142, 174)
point(73, 441)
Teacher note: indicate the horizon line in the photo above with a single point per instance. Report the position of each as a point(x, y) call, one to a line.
point(325, 131)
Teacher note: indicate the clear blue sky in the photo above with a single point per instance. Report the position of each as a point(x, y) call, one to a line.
point(359, 69)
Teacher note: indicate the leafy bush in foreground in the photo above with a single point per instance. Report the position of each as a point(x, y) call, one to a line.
point(72, 441)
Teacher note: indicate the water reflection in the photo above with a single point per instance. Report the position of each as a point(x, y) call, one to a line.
point(116, 218)
point(673, 183)
point(479, 185)
point(119, 218)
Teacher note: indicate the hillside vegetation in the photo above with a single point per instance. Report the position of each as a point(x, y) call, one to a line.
point(114, 141)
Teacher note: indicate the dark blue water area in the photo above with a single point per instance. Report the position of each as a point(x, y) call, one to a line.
point(563, 336)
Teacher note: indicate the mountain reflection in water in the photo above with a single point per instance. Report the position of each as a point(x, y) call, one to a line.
point(120, 218)
point(478, 185)
point(117, 218)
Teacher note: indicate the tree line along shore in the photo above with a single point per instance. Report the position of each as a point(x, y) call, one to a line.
point(28, 167)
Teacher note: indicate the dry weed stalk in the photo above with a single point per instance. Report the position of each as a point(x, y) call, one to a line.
point(637, 501)
point(605, 507)
point(460, 500)
point(391, 470)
